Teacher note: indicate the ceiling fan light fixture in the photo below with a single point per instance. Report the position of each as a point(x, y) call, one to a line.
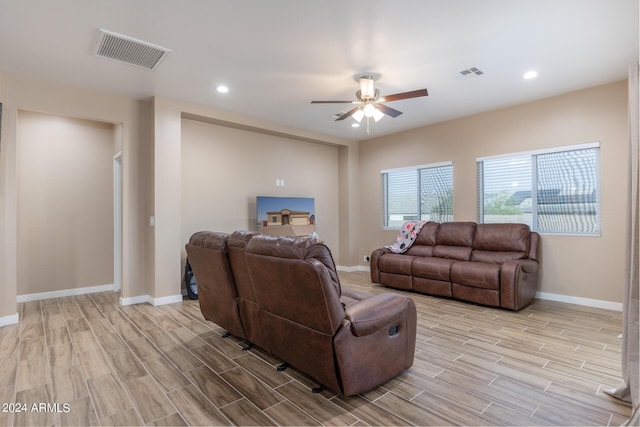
point(369, 104)
point(358, 115)
point(366, 88)
point(369, 109)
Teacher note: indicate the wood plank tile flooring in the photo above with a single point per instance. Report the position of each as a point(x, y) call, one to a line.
point(96, 363)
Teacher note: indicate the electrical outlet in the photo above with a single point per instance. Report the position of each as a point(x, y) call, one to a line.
point(365, 258)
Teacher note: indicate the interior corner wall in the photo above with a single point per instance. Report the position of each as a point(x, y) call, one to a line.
point(223, 169)
point(65, 203)
point(577, 266)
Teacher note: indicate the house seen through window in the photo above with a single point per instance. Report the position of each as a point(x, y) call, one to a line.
point(554, 191)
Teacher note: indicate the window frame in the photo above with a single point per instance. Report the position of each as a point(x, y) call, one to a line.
point(533, 154)
point(384, 196)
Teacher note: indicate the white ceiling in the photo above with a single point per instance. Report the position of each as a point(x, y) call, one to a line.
point(278, 55)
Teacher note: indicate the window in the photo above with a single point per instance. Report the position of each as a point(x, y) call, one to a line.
point(567, 189)
point(417, 193)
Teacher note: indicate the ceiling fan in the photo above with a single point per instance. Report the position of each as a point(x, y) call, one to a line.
point(370, 103)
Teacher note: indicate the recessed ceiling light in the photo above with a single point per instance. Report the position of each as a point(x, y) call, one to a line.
point(222, 89)
point(530, 75)
point(355, 125)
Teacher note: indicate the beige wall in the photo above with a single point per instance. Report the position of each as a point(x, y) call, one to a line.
point(585, 267)
point(224, 169)
point(65, 203)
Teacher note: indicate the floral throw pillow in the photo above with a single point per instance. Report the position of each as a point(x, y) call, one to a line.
point(406, 236)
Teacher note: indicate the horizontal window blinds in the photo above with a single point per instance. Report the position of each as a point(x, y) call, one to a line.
point(421, 193)
point(552, 191)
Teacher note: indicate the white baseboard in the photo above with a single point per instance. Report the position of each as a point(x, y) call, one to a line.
point(166, 300)
point(352, 268)
point(9, 320)
point(91, 290)
point(608, 305)
point(64, 293)
point(140, 299)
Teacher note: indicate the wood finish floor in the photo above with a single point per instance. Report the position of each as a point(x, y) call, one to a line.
point(103, 364)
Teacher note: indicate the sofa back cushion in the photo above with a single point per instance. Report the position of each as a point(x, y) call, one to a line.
point(295, 279)
point(428, 234)
point(496, 243)
point(502, 237)
point(426, 240)
point(454, 240)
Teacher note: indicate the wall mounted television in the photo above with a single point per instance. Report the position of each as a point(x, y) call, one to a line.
point(286, 216)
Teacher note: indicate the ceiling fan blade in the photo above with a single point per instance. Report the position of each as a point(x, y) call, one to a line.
point(334, 102)
point(404, 95)
point(388, 110)
point(348, 113)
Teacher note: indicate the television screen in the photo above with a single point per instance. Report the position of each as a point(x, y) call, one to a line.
point(286, 216)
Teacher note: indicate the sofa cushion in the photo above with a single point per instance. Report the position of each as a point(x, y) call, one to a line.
point(459, 253)
point(496, 257)
point(396, 263)
point(454, 240)
point(456, 234)
point(428, 234)
point(432, 268)
point(502, 237)
point(420, 250)
point(476, 274)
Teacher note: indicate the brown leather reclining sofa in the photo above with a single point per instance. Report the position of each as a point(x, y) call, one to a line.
point(283, 295)
point(489, 264)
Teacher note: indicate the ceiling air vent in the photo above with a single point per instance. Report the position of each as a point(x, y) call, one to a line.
point(470, 72)
point(129, 51)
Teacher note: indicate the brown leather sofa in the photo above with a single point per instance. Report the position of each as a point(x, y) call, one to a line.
point(290, 303)
point(489, 264)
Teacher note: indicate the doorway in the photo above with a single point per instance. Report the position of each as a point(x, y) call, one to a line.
point(117, 222)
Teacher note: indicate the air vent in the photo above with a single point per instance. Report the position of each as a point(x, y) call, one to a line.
point(129, 51)
point(470, 72)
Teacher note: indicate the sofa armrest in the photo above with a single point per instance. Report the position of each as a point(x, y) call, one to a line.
point(518, 283)
point(377, 312)
point(373, 263)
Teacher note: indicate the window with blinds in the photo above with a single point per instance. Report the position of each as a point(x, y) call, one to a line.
point(554, 191)
point(417, 193)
